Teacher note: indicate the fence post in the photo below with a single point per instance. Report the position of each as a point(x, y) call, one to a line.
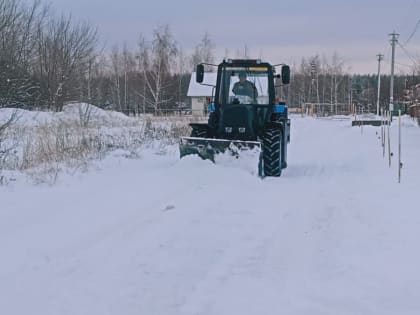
point(389, 138)
point(382, 133)
point(399, 146)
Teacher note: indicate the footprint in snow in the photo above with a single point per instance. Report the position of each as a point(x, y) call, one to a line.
point(169, 208)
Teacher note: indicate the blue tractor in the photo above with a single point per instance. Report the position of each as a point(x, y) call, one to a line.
point(244, 115)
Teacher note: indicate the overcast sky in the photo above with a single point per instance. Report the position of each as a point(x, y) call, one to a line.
point(278, 31)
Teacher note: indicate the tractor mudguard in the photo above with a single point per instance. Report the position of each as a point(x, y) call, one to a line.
point(274, 124)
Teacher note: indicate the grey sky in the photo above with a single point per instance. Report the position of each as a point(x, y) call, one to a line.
point(278, 31)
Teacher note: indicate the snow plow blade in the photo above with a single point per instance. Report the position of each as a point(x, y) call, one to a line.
point(208, 148)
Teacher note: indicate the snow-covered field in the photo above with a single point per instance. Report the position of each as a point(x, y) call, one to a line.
point(336, 234)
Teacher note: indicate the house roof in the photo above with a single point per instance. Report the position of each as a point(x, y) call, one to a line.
point(197, 89)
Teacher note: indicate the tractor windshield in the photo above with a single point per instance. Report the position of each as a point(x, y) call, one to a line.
point(244, 85)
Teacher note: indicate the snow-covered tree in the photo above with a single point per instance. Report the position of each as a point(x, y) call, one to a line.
point(64, 50)
point(17, 24)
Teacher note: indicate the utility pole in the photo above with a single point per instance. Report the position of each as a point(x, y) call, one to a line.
point(125, 87)
point(394, 40)
point(314, 87)
point(380, 58)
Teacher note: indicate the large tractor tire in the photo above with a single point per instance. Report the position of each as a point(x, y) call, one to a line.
point(199, 133)
point(272, 155)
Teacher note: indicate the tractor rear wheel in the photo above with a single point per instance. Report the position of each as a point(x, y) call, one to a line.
point(272, 155)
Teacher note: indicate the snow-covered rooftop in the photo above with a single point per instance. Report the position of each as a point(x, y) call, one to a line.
point(197, 89)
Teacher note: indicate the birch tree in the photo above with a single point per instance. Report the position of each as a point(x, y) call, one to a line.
point(203, 52)
point(157, 73)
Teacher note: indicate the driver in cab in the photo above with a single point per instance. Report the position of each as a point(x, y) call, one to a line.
point(245, 87)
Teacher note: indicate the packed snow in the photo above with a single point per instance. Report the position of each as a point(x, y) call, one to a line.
point(74, 112)
point(335, 234)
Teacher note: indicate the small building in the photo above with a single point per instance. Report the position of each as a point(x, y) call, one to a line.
point(200, 93)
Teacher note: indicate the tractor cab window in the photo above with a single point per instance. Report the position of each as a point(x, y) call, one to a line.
point(244, 85)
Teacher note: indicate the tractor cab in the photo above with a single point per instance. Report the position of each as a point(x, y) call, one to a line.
point(244, 83)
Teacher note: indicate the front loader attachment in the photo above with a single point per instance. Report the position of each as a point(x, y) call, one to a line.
point(208, 148)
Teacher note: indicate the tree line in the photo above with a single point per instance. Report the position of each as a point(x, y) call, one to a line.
point(48, 60)
point(326, 81)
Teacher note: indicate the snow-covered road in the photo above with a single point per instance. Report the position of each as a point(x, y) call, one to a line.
point(336, 234)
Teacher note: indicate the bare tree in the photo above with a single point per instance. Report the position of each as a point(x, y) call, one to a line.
point(17, 89)
point(5, 149)
point(116, 77)
point(183, 76)
point(157, 69)
point(17, 24)
point(204, 52)
point(64, 49)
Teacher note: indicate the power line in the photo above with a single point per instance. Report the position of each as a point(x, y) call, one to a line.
point(403, 64)
point(413, 32)
point(387, 59)
point(415, 62)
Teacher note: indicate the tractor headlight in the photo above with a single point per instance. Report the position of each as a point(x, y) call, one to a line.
point(228, 129)
point(242, 130)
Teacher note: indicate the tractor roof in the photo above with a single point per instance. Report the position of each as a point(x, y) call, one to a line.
point(243, 61)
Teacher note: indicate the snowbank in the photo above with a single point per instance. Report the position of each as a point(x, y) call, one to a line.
point(71, 113)
point(48, 142)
